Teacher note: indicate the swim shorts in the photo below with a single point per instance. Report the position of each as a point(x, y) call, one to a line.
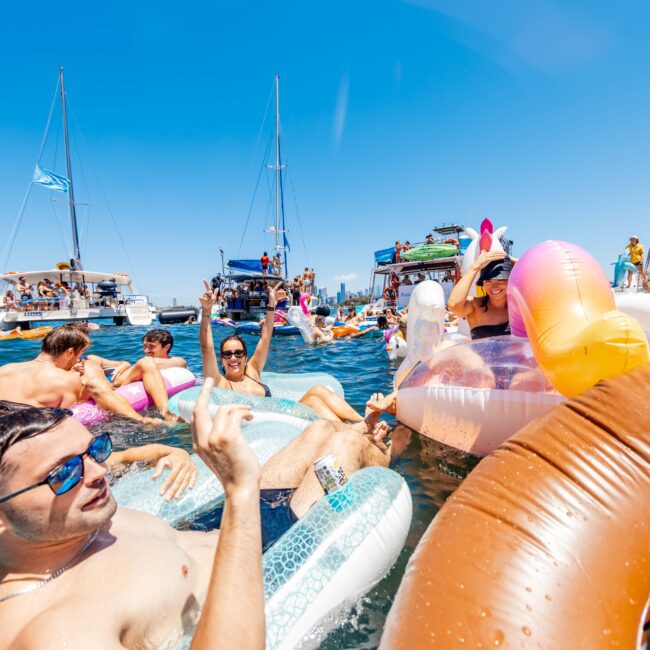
point(275, 508)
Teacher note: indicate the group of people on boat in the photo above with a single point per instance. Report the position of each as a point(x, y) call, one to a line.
point(45, 296)
point(48, 295)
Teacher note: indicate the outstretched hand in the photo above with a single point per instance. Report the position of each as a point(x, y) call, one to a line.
point(182, 473)
point(221, 445)
point(209, 298)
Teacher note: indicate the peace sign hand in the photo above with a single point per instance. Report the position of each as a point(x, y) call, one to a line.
point(273, 298)
point(208, 299)
point(219, 442)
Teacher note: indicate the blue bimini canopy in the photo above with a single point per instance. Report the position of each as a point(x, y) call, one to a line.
point(246, 266)
point(384, 256)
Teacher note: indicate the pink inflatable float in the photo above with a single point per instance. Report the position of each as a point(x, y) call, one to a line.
point(176, 380)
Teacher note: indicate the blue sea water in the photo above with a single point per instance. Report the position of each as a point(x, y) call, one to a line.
point(432, 471)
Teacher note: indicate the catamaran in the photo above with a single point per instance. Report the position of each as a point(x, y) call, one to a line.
point(69, 291)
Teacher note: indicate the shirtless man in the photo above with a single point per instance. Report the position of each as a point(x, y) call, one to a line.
point(131, 581)
point(321, 333)
point(157, 344)
point(57, 377)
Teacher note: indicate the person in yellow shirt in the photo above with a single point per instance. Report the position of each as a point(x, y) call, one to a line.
point(636, 258)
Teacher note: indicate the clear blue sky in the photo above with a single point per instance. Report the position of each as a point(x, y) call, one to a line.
point(396, 116)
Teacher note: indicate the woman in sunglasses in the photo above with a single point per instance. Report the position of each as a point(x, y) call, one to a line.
point(243, 375)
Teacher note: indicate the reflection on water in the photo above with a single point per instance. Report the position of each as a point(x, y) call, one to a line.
point(432, 471)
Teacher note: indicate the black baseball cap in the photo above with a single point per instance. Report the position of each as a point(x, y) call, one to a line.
point(497, 270)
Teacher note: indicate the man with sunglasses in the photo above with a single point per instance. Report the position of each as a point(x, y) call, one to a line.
point(75, 571)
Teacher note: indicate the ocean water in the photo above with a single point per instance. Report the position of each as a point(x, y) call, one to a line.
point(432, 471)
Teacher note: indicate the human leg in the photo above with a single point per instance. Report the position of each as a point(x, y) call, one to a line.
point(326, 402)
point(147, 371)
point(101, 390)
point(352, 451)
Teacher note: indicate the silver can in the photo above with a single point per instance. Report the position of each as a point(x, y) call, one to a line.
point(330, 473)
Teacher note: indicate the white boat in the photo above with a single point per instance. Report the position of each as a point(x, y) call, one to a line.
point(88, 294)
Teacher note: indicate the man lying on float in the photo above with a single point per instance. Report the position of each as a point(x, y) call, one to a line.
point(74, 567)
point(59, 376)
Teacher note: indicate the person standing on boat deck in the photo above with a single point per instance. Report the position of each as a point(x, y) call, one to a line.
point(296, 286)
point(244, 376)
point(429, 239)
point(397, 257)
point(420, 278)
point(306, 281)
point(636, 258)
point(264, 261)
point(24, 289)
point(488, 315)
point(276, 265)
point(217, 283)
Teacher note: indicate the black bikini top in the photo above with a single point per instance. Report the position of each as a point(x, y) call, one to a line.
point(267, 390)
point(486, 331)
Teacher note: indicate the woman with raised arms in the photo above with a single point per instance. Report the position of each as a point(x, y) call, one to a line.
point(243, 375)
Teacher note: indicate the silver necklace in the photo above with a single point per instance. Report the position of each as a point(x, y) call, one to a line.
point(54, 574)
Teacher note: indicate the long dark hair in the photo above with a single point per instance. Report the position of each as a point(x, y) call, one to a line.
point(483, 302)
point(233, 337)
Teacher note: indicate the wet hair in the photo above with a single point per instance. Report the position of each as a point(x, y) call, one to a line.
point(233, 337)
point(382, 322)
point(21, 421)
point(319, 321)
point(60, 339)
point(164, 337)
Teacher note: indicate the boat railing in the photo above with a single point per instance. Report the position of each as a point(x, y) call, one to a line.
point(60, 303)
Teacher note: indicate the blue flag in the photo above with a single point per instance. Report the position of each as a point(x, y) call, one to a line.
point(286, 243)
point(49, 180)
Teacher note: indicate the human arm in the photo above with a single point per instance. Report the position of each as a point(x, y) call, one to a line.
point(182, 470)
point(262, 349)
point(233, 612)
point(210, 365)
point(459, 301)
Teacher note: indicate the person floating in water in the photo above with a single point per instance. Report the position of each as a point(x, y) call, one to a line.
point(59, 376)
point(125, 578)
point(487, 315)
point(243, 375)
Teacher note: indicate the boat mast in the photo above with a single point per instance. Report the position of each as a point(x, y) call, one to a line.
point(277, 165)
point(76, 260)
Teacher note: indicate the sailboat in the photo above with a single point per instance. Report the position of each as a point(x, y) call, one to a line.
point(73, 293)
point(246, 278)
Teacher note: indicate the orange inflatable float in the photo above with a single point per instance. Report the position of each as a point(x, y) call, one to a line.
point(559, 297)
point(37, 333)
point(546, 544)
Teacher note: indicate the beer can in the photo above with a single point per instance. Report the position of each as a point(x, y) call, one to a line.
point(330, 473)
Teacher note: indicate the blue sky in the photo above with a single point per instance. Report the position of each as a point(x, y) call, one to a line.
point(396, 115)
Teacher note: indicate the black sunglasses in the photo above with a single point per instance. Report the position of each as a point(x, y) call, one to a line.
point(229, 354)
point(65, 476)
